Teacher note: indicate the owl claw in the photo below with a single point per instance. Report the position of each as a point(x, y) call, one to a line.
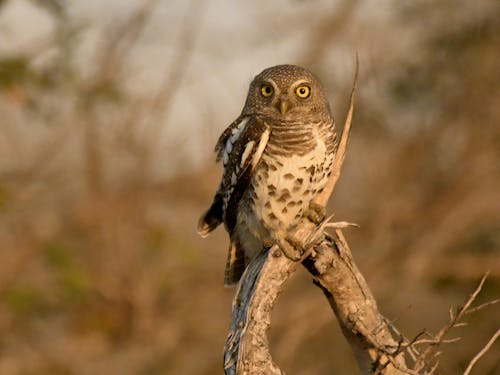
point(267, 244)
point(292, 248)
point(315, 213)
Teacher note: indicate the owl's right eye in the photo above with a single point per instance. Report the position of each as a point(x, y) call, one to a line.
point(266, 90)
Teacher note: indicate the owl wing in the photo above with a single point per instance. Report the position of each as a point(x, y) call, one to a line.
point(240, 148)
point(236, 126)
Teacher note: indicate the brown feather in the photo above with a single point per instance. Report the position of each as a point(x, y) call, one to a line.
point(235, 264)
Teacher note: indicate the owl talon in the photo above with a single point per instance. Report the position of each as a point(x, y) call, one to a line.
point(315, 213)
point(292, 248)
point(267, 244)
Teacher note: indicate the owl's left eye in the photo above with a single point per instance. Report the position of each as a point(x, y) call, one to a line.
point(303, 91)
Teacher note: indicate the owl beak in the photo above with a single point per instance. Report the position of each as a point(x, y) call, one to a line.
point(283, 106)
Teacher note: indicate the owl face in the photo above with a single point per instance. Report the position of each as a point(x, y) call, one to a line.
point(284, 92)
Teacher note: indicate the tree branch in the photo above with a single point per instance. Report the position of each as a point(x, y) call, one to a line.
point(246, 349)
point(482, 352)
point(367, 331)
point(430, 352)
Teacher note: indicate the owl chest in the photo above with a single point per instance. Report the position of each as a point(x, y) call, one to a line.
point(284, 186)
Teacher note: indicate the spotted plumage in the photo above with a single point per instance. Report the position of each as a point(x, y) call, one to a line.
point(277, 156)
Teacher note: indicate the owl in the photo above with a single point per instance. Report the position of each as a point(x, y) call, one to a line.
point(277, 156)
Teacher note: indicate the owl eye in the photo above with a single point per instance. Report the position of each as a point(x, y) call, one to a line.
point(266, 91)
point(303, 91)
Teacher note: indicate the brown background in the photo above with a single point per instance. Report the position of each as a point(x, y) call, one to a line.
point(109, 115)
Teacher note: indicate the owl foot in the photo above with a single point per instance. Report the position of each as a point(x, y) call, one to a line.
point(267, 244)
point(315, 213)
point(292, 248)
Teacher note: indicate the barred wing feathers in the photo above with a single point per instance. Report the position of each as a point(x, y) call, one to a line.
point(240, 148)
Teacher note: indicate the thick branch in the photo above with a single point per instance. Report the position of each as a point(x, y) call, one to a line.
point(366, 330)
point(247, 348)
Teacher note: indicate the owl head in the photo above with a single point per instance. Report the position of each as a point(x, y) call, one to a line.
point(285, 92)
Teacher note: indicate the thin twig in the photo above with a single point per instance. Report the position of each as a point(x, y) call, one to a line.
point(482, 306)
point(400, 367)
point(410, 349)
point(434, 368)
point(435, 341)
point(481, 353)
point(322, 199)
point(454, 319)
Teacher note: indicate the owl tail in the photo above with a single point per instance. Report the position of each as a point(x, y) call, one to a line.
point(212, 218)
point(235, 265)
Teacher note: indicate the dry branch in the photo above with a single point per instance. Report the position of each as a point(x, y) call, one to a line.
point(366, 330)
point(482, 352)
point(430, 353)
point(247, 349)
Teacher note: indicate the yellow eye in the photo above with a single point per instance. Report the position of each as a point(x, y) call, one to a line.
point(266, 90)
point(303, 91)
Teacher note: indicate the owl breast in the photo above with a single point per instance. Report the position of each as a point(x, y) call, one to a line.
point(281, 189)
point(285, 185)
point(293, 169)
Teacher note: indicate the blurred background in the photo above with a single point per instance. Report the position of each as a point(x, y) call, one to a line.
point(109, 114)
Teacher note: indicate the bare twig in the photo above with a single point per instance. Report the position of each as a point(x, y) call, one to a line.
point(481, 353)
point(434, 341)
point(453, 322)
point(322, 199)
point(482, 306)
